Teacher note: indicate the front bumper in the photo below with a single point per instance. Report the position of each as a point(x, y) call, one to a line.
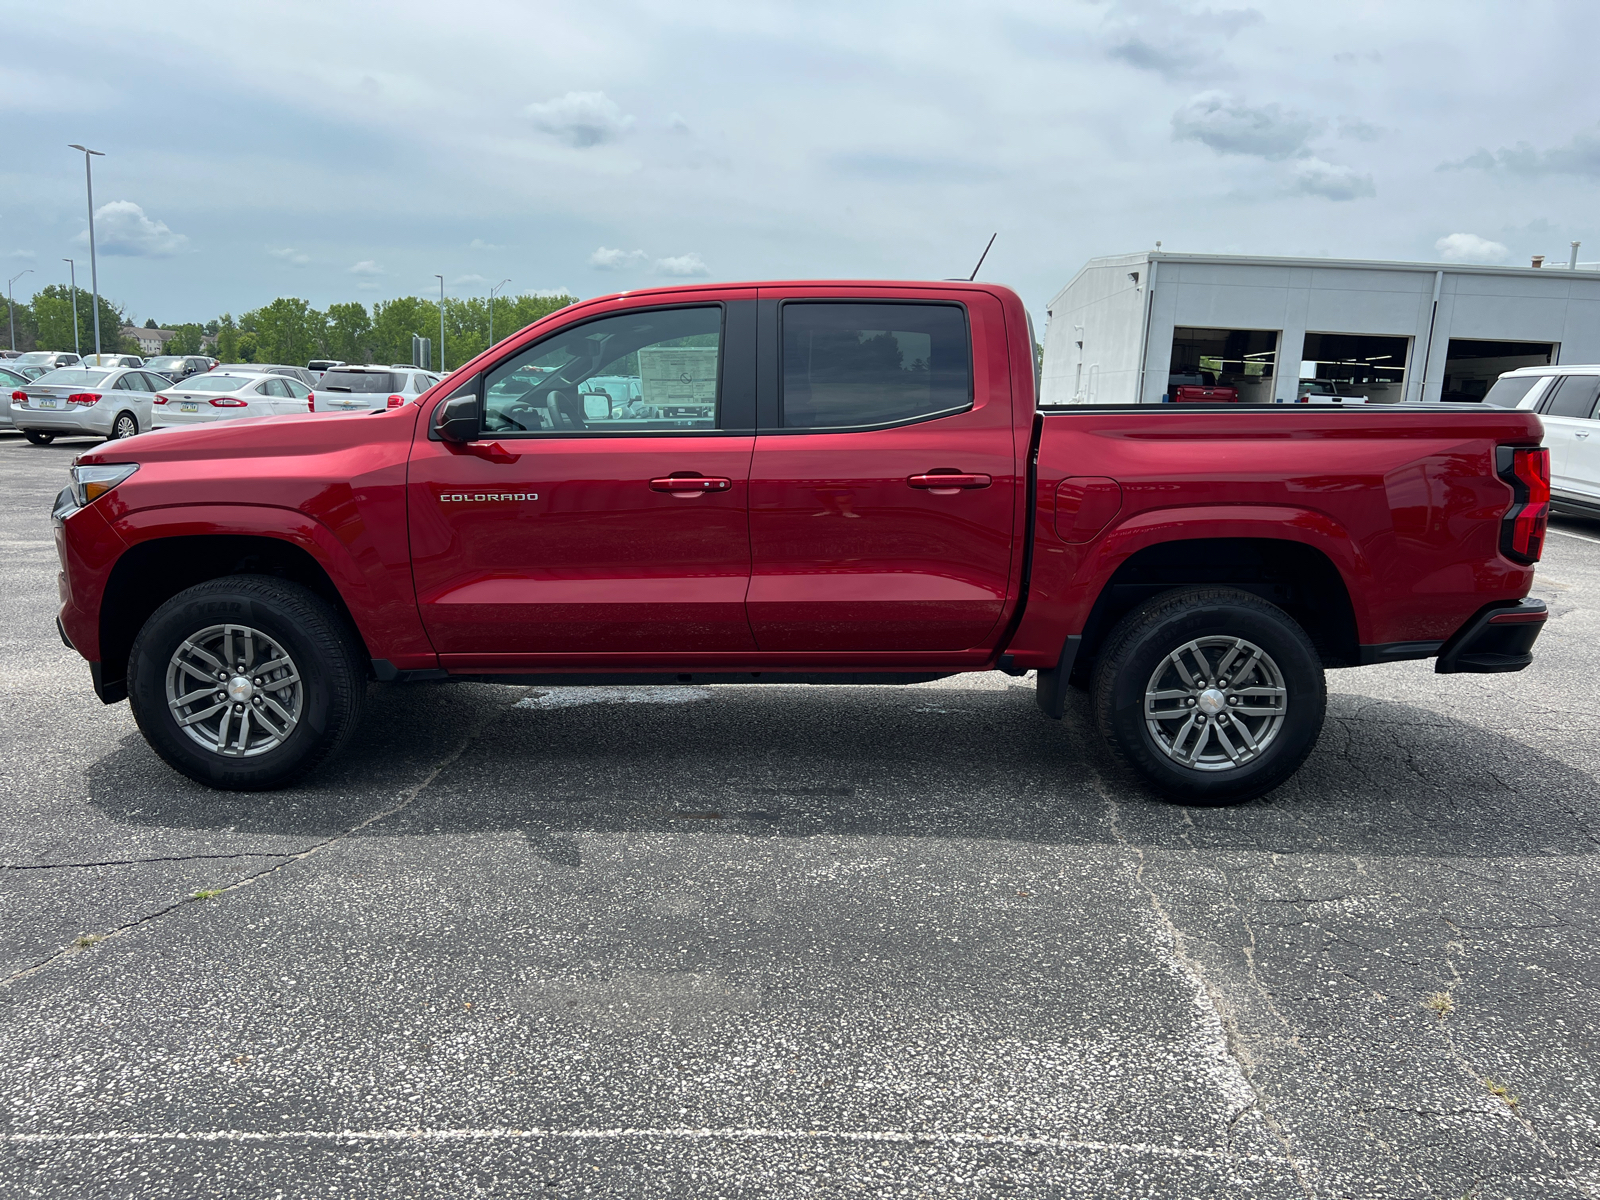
point(1498, 638)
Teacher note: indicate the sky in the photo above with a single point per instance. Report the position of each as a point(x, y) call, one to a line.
point(339, 151)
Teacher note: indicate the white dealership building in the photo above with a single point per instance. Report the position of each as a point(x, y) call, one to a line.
point(1131, 326)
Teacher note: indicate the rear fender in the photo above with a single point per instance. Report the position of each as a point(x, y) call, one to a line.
point(1068, 579)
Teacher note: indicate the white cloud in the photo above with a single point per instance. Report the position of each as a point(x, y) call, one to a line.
point(1229, 126)
point(24, 255)
point(1469, 247)
point(1331, 181)
point(468, 280)
point(480, 244)
point(682, 266)
point(366, 267)
point(615, 260)
point(580, 118)
point(291, 256)
point(122, 230)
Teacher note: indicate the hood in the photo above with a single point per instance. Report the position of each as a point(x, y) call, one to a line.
point(259, 437)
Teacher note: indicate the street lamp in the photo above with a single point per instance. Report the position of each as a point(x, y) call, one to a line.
point(94, 273)
point(11, 304)
point(74, 267)
point(440, 278)
point(492, 291)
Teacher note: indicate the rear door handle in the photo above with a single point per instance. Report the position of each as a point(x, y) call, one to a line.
point(948, 483)
point(690, 485)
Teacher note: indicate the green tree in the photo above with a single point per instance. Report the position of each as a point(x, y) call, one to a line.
point(288, 331)
point(188, 340)
point(249, 349)
point(393, 323)
point(51, 320)
point(349, 333)
point(150, 323)
point(19, 328)
point(227, 334)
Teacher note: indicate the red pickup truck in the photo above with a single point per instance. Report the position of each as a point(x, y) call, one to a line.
point(797, 482)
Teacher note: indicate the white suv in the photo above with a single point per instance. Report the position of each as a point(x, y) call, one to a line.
point(1567, 400)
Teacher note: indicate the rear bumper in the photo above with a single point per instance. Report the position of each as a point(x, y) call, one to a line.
point(91, 422)
point(1499, 638)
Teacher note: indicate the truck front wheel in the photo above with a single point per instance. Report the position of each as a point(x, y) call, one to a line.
point(246, 682)
point(1211, 693)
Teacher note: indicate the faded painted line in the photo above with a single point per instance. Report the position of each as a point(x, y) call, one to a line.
point(572, 697)
point(1582, 537)
point(884, 1137)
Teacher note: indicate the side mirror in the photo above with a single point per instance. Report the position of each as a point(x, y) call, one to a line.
point(456, 420)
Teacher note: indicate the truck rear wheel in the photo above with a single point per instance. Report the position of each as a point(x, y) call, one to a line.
point(1212, 694)
point(246, 682)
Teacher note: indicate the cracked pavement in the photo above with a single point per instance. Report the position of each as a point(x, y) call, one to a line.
point(791, 941)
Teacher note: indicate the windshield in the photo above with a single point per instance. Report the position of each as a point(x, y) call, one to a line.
point(214, 383)
point(73, 377)
point(34, 358)
point(362, 382)
point(1509, 390)
point(161, 364)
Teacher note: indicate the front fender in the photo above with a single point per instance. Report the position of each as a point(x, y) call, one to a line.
point(379, 598)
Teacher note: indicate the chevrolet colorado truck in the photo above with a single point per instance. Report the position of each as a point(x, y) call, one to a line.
point(834, 483)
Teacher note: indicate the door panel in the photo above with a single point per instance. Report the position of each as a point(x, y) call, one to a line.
point(586, 521)
point(568, 549)
point(852, 550)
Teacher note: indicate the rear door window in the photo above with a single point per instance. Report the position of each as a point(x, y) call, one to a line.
point(1575, 397)
point(865, 365)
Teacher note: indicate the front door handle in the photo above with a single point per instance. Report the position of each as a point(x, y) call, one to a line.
point(947, 483)
point(690, 485)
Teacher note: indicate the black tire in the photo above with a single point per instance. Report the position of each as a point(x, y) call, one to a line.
point(324, 650)
point(38, 437)
point(125, 426)
point(1143, 641)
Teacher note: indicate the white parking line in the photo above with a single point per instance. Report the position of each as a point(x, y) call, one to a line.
point(1582, 537)
point(888, 1137)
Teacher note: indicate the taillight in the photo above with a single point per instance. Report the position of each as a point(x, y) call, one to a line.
point(311, 402)
point(84, 398)
point(229, 402)
point(396, 401)
point(22, 396)
point(1522, 529)
point(161, 400)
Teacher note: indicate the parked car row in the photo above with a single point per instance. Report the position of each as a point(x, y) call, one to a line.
point(118, 401)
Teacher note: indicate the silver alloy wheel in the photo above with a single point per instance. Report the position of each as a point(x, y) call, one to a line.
point(127, 426)
point(234, 691)
point(1215, 704)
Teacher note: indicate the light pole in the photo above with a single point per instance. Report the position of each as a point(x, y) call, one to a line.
point(440, 278)
point(74, 267)
point(94, 272)
point(492, 291)
point(11, 304)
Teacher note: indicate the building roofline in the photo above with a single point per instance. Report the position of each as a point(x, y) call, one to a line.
point(1358, 264)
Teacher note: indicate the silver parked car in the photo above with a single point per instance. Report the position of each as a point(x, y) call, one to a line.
point(361, 389)
point(47, 360)
point(86, 402)
point(306, 377)
point(10, 381)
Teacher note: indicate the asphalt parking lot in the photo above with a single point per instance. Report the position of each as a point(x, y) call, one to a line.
point(792, 941)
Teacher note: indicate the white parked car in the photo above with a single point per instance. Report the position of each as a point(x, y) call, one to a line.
point(362, 389)
point(222, 395)
point(85, 402)
point(1567, 399)
point(110, 360)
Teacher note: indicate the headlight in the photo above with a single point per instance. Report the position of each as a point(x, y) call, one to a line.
point(89, 484)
